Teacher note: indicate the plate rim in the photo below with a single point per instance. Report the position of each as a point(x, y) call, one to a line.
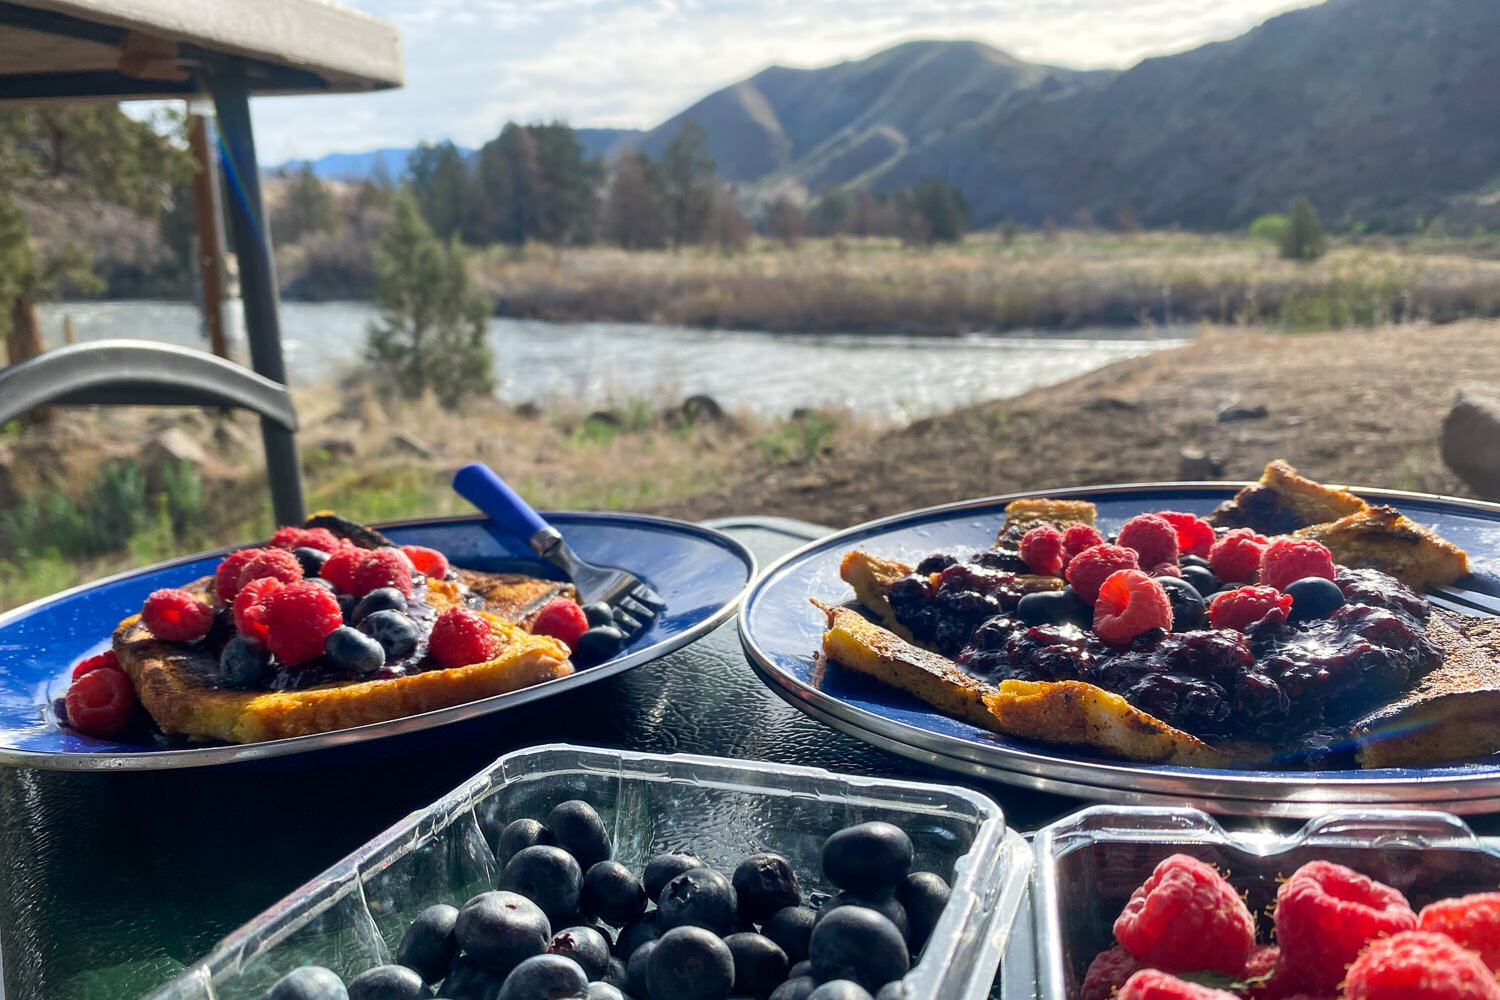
point(177, 759)
point(1241, 791)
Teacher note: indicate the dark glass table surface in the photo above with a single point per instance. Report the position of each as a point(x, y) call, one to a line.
point(112, 883)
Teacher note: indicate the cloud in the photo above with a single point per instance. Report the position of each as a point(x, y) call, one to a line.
point(473, 64)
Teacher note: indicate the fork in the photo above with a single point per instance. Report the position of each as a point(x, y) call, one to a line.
point(1464, 601)
point(631, 603)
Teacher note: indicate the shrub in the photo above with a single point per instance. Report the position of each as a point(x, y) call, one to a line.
point(1271, 227)
point(1304, 238)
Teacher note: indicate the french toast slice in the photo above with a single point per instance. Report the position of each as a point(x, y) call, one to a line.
point(871, 577)
point(1283, 501)
point(1028, 512)
point(1385, 539)
point(173, 679)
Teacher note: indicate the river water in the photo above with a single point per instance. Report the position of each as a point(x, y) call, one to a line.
point(890, 378)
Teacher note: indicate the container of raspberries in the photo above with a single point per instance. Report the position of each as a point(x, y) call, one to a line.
point(1136, 903)
point(562, 872)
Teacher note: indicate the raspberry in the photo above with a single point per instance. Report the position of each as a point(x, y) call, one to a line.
point(276, 563)
point(250, 607)
point(1091, 567)
point(101, 703)
point(1043, 549)
point(1287, 560)
point(1326, 914)
point(176, 616)
point(1166, 569)
point(1148, 984)
point(1129, 603)
point(1195, 536)
point(1186, 917)
point(562, 619)
point(1079, 537)
point(1154, 539)
point(298, 618)
point(1266, 978)
point(340, 568)
point(305, 538)
point(1235, 558)
point(99, 661)
point(383, 567)
point(429, 562)
point(1107, 973)
point(1419, 965)
point(1472, 921)
point(227, 577)
point(460, 637)
point(1244, 606)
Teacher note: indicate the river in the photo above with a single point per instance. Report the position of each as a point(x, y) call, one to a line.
point(890, 378)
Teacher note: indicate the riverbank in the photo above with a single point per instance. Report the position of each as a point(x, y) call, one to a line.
point(1068, 280)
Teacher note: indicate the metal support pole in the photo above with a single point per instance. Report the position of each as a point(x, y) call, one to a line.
point(258, 291)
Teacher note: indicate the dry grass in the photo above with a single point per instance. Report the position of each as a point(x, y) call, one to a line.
point(1077, 279)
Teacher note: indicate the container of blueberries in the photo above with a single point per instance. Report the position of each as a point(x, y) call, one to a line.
point(566, 871)
point(1090, 863)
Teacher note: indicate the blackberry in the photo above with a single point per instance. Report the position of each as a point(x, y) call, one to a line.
point(1381, 590)
point(936, 563)
point(1190, 703)
point(1054, 653)
point(1006, 559)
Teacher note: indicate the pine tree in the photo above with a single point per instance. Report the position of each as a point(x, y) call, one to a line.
point(508, 188)
point(688, 177)
point(938, 213)
point(440, 181)
point(568, 203)
point(632, 208)
point(1304, 238)
point(431, 331)
point(786, 222)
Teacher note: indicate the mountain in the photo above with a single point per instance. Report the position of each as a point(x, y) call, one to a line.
point(1380, 110)
point(357, 166)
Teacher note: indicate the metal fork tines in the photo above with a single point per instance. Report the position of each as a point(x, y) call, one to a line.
point(1463, 601)
point(632, 601)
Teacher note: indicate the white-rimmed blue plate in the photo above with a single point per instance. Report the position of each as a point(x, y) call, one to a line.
point(782, 631)
point(699, 572)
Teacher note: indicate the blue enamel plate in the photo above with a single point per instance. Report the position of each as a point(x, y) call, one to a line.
point(700, 573)
point(782, 631)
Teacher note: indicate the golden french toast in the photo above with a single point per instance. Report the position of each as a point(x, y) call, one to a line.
point(1363, 674)
point(1283, 501)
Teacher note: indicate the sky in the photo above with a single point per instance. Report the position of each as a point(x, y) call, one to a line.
point(471, 65)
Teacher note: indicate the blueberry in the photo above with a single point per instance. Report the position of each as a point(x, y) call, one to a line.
point(635, 970)
point(545, 977)
point(500, 929)
point(576, 828)
point(925, 896)
point(1201, 578)
point(1053, 607)
point(614, 973)
point(791, 928)
point(884, 903)
point(519, 834)
point(802, 968)
point(327, 585)
point(858, 943)
point(352, 650)
point(759, 964)
point(840, 989)
point(584, 945)
point(548, 876)
point(604, 991)
point(470, 981)
point(663, 868)
point(394, 631)
point(429, 946)
point(699, 897)
point(388, 982)
point(598, 644)
point(346, 605)
point(1188, 610)
point(689, 963)
point(308, 982)
point(612, 893)
point(599, 613)
point(637, 933)
point(244, 663)
point(1314, 597)
point(379, 599)
point(893, 990)
point(1186, 561)
point(763, 884)
point(312, 560)
point(868, 857)
point(795, 988)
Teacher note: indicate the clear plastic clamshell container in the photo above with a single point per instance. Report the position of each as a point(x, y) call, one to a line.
point(1089, 863)
point(352, 916)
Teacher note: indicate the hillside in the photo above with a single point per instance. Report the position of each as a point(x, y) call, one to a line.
point(1379, 109)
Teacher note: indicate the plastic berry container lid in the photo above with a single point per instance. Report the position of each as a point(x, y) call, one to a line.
point(351, 917)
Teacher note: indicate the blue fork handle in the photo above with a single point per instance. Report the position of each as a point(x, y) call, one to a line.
point(478, 484)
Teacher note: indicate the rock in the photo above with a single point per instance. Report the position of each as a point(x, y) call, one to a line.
point(1242, 411)
point(608, 418)
point(528, 410)
point(1194, 465)
point(172, 447)
point(1470, 439)
point(403, 443)
point(1106, 404)
point(696, 409)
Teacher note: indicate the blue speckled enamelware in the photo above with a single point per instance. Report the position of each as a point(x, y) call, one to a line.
point(700, 573)
point(781, 632)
